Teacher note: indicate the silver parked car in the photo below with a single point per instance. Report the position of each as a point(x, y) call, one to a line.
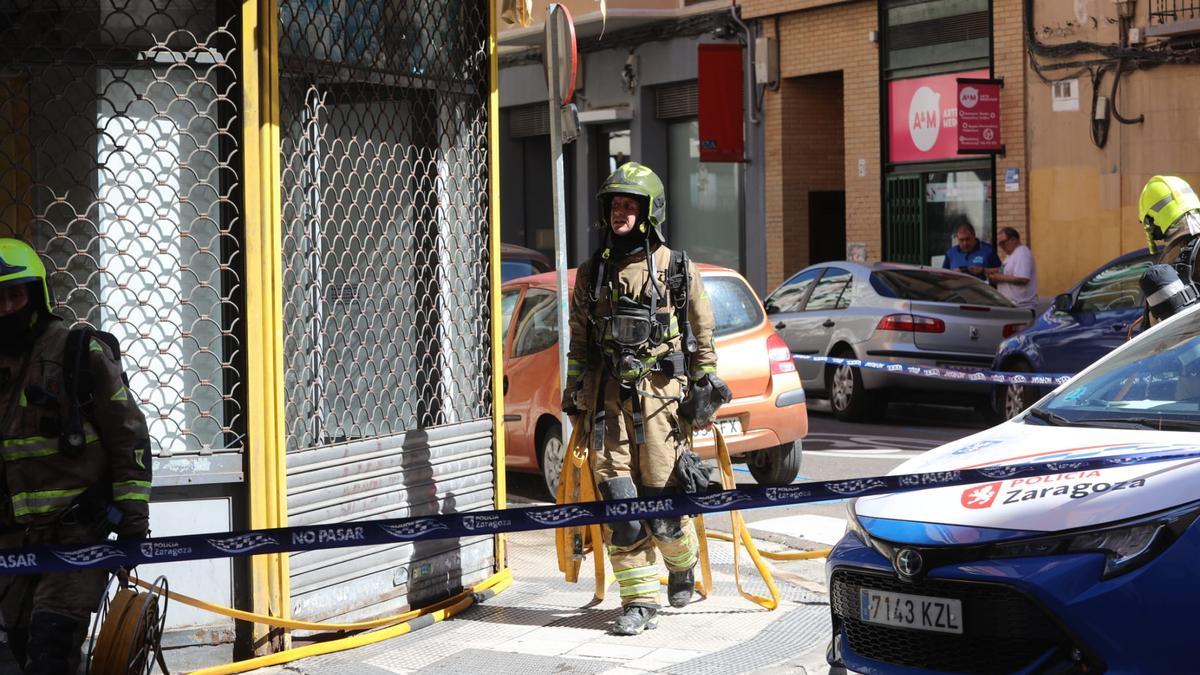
point(891, 312)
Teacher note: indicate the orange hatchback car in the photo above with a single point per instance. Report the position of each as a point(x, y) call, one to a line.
point(762, 425)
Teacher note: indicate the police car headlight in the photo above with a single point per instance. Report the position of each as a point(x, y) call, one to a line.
point(1126, 546)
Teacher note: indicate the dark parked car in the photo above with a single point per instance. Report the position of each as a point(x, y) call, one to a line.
point(1082, 325)
point(518, 261)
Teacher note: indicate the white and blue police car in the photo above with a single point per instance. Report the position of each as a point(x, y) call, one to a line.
point(1092, 571)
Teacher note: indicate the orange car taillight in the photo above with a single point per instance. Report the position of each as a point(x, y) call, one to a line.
point(912, 323)
point(1013, 328)
point(779, 355)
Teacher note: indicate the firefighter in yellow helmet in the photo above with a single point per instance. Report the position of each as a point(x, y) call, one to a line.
point(1170, 213)
point(75, 456)
point(641, 376)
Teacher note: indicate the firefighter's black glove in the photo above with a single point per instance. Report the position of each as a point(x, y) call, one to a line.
point(569, 407)
point(704, 397)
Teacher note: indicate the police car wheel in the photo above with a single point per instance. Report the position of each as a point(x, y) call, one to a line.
point(552, 453)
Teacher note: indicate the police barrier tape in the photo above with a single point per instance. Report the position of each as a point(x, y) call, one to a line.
point(942, 372)
point(111, 554)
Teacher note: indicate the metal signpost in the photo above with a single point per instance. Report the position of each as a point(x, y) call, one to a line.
point(560, 60)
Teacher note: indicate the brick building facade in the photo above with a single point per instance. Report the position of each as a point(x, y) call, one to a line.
point(826, 125)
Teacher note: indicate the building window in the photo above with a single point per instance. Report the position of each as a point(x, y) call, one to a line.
point(923, 37)
point(703, 200)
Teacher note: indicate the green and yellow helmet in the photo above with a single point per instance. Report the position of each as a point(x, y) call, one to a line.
point(638, 181)
point(1163, 202)
point(20, 264)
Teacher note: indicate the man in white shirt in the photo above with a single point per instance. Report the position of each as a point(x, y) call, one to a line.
point(1016, 278)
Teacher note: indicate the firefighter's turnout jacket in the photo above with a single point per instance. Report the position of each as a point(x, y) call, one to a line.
point(637, 390)
point(44, 478)
point(629, 278)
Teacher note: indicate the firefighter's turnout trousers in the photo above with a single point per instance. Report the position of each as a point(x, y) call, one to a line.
point(623, 470)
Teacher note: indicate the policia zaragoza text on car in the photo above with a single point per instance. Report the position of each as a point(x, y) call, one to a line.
point(641, 375)
point(75, 458)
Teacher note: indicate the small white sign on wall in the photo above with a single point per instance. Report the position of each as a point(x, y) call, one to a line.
point(1066, 95)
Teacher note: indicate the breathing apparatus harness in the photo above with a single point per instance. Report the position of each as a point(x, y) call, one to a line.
point(1170, 287)
point(636, 328)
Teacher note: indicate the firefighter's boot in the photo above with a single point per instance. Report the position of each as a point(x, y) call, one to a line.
point(635, 619)
point(54, 641)
point(680, 586)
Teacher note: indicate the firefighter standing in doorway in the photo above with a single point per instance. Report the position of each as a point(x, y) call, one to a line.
point(74, 457)
point(641, 376)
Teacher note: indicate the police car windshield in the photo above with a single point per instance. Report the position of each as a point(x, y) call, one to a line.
point(1153, 383)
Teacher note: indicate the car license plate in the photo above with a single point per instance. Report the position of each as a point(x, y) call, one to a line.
point(729, 426)
point(919, 612)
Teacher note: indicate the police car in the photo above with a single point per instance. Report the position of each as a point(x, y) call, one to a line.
point(1077, 572)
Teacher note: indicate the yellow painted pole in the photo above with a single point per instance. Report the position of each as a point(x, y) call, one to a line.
point(266, 443)
point(494, 255)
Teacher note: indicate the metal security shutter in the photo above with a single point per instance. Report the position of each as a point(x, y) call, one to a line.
point(386, 299)
point(129, 190)
point(440, 470)
point(675, 100)
point(905, 235)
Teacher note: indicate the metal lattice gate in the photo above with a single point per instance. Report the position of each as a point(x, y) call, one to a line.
point(905, 235)
point(386, 289)
point(117, 164)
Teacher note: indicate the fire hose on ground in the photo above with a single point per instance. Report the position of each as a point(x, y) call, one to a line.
point(572, 544)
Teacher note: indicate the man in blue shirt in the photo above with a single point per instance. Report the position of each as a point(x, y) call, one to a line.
point(971, 255)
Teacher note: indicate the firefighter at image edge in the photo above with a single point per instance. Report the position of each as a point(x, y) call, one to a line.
point(75, 457)
point(641, 375)
point(1170, 213)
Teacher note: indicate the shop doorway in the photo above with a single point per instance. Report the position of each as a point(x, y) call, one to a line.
point(826, 226)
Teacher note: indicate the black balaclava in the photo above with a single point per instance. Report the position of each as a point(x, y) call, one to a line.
point(17, 330)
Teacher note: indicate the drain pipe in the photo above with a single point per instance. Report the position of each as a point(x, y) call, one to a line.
point(748, 74)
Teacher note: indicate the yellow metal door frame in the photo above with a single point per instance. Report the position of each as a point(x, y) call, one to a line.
point(266, 443)
point(494, 255)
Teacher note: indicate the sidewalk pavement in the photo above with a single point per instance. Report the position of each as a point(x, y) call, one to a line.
point(542, 624)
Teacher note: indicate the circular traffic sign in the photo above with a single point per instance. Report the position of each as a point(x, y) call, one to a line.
point(562, 51)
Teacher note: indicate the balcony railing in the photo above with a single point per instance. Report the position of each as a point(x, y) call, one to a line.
point(1174, 17)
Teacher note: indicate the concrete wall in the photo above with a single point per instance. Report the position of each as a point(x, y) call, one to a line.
point(1083, 199)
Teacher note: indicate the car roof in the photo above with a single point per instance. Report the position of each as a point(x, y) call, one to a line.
point(878, 266)
point(1124, 257)
point(551, 278)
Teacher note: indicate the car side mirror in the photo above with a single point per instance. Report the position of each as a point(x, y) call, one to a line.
point(1064, 303)
point(769, 307)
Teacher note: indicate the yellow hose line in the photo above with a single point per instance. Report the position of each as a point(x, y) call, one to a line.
point(573, 544)
point(799, 555)
point(293, 623)
point(496, 583)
